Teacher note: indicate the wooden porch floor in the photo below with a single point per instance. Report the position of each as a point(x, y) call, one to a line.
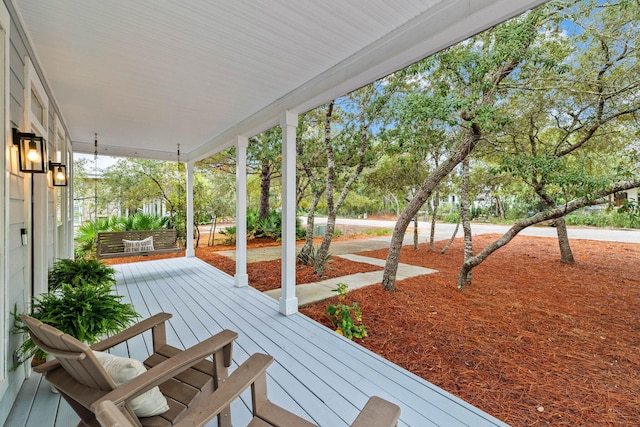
point(317, 374)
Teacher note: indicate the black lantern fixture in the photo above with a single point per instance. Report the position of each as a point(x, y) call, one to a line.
point(31, 152)
point(58, 174)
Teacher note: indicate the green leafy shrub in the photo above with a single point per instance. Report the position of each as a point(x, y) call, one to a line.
point(85, 312)
point(311, 258)
point(230, 234)
point(270, 227)
point(80, 272)
point(452, 217)
point(347, 319)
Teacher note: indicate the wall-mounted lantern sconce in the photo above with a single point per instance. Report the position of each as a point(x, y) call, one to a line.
point(31, 152)
point(23, 235)
point(58, 174)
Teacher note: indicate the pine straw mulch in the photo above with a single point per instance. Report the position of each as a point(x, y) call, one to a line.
point(533, 342)
point(263, 275)
point(266, 275)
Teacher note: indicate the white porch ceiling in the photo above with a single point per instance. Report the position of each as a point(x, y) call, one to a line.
point(149, 74)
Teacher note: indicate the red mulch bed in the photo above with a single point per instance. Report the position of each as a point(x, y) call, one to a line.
point(263, 275)
point(533, 342)
point(266, 275)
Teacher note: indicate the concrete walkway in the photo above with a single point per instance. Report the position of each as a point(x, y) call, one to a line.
point(318, 291)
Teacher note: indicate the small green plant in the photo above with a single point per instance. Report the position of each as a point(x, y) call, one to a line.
point(230, 235)
point(347, 319)
point(378, 232)
point(80, 272)
point(311, 257)
point(86, 312)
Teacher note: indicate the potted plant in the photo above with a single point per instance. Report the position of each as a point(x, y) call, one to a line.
point(80, 272)
point(80, 302)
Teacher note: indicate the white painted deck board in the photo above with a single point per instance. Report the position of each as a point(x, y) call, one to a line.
point(318, 374)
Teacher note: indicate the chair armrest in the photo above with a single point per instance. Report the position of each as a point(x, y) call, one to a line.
point(108, 414)
point(131, 331)
point(239, 380)
point(378, 413)
point(112, 341)
point(169, 368)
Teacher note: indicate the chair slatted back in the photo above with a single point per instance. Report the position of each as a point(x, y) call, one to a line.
point(74, 356)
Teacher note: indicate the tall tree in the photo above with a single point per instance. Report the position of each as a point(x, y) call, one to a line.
point(264, 155)
point(461, 87)
point(572, 111)
point(352, 149)
point(311, 158)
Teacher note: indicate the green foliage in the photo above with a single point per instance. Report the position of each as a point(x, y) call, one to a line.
point(378, 232)
point(311, 257)
point(80, 272)
point(452, 217)
point(230, 234)
point(347, 319)
point(85, 312)
point(627, 215)
point(270, 227)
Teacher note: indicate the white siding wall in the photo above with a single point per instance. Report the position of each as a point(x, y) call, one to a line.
point(16, 281)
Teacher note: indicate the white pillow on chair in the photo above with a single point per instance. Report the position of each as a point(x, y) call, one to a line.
point(123, 370)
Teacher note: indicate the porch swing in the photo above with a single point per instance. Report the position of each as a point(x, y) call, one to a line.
point(119, 244)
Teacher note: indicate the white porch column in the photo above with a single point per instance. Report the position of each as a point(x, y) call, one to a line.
point(189, 221)
point(288, 300)
point(241, 278)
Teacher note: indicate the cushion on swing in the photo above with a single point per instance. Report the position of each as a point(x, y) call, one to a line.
point(144, 245)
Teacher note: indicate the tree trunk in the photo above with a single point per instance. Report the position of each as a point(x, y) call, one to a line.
point(464, 214)
point(323, 251)
point(212, 231)
point(265, 186)
point(471, 139)
point(566, 255)
point(565, 209)
point(308, 242)
point(332, 208)
point(499, 208)
point(415, 232)
point(432, 236)
point(453, 237)
point(395, 199)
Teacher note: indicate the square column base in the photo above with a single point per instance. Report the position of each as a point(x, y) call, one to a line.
point(288, 306)
point(241, 280)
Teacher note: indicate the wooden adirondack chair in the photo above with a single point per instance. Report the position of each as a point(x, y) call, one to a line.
point(185, 377)
point(252, 373)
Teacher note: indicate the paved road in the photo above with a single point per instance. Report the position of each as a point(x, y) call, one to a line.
point(443, 232)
